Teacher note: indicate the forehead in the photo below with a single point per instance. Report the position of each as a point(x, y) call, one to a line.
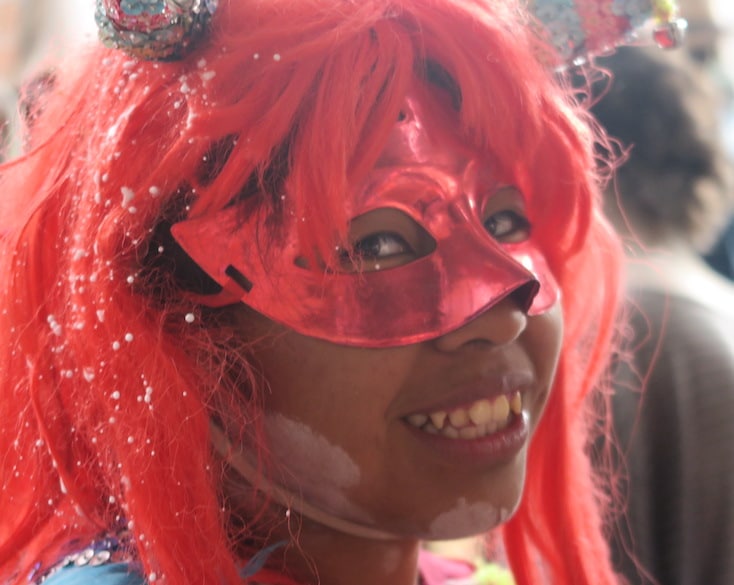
point(426, 159)
point(427, 131)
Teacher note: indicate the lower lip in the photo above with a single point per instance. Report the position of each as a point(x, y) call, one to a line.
point(492, 449)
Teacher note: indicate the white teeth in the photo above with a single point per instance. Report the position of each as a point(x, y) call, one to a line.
point(516, 403)
point(501, 408)
point(418, 420)
point(438, 418)
point(469, 432)
point(450, 432)
point(459, 417)
point(480, 412)
point(483, 417)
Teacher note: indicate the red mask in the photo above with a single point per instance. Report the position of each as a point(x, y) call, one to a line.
point(429, 179)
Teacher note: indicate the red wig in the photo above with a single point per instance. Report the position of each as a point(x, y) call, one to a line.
point(111, 375)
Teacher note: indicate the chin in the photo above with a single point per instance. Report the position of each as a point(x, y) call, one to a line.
point(463, 518)
point(468, 519)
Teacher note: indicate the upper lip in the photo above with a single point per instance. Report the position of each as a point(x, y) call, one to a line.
point(488, 386)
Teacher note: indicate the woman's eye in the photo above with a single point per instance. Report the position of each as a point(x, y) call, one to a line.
point(376, 251)
point(382, 245)
point(508, 226)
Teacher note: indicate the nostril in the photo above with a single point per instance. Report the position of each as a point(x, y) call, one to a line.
point(525, 293)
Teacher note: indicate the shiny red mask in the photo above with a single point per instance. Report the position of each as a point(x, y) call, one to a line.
point(432, 265)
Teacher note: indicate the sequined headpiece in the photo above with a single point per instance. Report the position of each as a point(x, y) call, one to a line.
point(153, 29)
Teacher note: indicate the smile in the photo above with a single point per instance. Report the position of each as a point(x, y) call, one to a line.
point(476, 420)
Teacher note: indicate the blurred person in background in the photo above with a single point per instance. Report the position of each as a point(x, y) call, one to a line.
point(670, 200)
point(705, 42)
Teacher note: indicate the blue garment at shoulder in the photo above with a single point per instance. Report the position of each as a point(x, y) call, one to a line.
point(110, 574)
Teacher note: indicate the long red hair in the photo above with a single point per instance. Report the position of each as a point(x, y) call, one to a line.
point(107, 386)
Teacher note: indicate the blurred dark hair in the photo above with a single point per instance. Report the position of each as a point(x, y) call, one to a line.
point(664, 111)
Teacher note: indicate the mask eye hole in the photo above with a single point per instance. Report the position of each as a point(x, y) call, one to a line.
point(505, 218)
point(381, 239)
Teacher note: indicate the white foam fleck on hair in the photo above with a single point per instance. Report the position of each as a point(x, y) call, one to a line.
point(127, 196)
point(54, 325)
point(207, 75)
point(185, 87)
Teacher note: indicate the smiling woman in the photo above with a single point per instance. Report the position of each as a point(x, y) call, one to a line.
point(291, 287)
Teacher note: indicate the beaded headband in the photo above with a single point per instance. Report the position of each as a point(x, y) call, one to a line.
point(166, 29)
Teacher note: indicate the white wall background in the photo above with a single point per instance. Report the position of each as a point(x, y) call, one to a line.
point(77, 17)
point(31, 31)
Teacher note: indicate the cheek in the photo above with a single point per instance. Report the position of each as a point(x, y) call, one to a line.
point(544, 342)
point(326, 421)
point(335, 390)
point(549, 337)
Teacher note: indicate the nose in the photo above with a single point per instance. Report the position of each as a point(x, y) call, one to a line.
point(501, 324)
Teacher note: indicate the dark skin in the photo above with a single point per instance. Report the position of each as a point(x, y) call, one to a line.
point(400, 485)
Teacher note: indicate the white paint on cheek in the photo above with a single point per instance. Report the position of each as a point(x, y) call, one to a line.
point(308, 454)
point(313, 467)
point(467, 519)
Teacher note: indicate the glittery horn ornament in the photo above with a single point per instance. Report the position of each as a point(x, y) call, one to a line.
point(153, 29)
point(581, 28)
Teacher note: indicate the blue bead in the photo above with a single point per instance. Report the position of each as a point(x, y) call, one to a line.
point(138, 7)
